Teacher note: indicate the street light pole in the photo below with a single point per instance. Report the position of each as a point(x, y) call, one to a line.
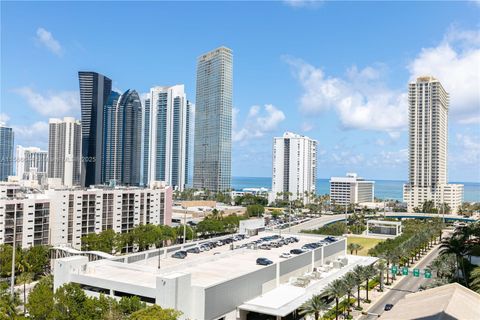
point(14, 247)
point(185, 226)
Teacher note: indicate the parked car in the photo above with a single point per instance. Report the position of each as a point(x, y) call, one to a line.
point(180, 254)
point(264, 261)
point(264, 246)
point(285, 255)
point(296, 251)
point(193, 250)
point(388, 307)
point(205, 247)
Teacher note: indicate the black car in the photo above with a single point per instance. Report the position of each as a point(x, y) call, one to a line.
point(193, 250)
point(180, 254)
point(388, 307)
point(296, 251)
point(264, 261)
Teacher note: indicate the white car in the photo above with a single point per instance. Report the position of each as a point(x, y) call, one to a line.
point(285, 255)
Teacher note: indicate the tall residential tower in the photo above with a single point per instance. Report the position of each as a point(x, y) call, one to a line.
point(428, 104)
point(6, 152)
point(122, 139)
point(294, 167)
point(65, 150)
point(213, 121)
point(166, 136)
point(94, 92)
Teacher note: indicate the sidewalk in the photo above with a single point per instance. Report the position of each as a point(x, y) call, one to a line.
point(375, 296)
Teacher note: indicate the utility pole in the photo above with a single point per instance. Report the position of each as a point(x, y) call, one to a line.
point(346, 214)
point(14, 247)
point(185, 226)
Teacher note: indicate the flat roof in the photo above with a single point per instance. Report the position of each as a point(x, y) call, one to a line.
point(286, 298)
point(450, 301)
point(206, 268)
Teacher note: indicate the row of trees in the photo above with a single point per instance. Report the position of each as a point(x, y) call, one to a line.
point(70, 302)
point(148, 236)
point(417, 238)
point(429, 207)
point(453, 264)
point(350, 284)
point(33, 260)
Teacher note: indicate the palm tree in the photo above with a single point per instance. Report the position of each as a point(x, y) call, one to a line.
point(24, 278)
point(369, 273)
point(381, 267)
point(350, 284)
point(359, 275)
point(336, 290)
point(351, 247)
point(456, 245)
point(358, 247)
point(313, 306)
point(475, 276)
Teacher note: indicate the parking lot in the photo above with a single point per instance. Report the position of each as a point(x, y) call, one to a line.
point(222, 263)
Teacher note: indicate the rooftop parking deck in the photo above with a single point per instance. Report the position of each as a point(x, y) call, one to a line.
point(206, 268)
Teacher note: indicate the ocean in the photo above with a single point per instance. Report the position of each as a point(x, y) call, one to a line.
point(384, 189)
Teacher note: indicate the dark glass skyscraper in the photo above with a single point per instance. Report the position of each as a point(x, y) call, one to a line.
point(213, 121)
point(123, 134)
point(94, 92)
point(6, 152)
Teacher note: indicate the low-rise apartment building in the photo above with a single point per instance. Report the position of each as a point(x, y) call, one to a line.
point(351, 189)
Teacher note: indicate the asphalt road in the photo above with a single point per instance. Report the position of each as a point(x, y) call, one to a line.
point(407, 285)
point(315, 223)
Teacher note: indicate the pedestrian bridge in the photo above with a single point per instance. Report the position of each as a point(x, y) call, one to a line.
point(65, 251)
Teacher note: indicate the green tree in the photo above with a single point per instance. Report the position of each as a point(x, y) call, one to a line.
point(475, 279)
point(129, 305)
point(155, 312)
point(350, 283)
point(313, 306)
point(38, 259)
point(336, 290)
point(381, 267)
point(40, 302)
point(359, 276)
point(8, 304)
point(69, 303)
point(5, 260)
point(25, 278)
point(255, 210)
point(456, 245)
point(369, 273)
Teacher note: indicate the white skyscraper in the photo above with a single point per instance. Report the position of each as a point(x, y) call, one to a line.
point(31, 162)
point(351, 189)
point(428, 104)
point(65, 150)
point(166, 130)
point(294, 166)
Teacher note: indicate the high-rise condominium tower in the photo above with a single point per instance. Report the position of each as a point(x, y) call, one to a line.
point(166, 136)
point(213, 121)
point(122, 137)
point(6, 152)
point(294, 167)
point(428, 104)
point(64, 150)
point(94, 91)
point(31, 162)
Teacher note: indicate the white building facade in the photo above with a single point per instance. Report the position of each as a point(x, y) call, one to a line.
point(351, 189)
point(294, 167)
point(65, 150)
point(31, 162)
point(428, 143)
point(166, 130)
point(63, 216)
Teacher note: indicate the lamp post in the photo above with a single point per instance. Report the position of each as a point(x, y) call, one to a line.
point(12, 280)
point(185, 226)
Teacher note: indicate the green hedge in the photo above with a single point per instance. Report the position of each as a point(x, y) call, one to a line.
point(342, 307)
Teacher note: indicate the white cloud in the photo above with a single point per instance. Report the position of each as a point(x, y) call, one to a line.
point(46, 38)
point(52, 104)
point(470, 120)
point(469, 150)
point(307, 126)
point(303, 3)
point(259, 121)
point(360, 100)
point(35, 134)
point(4, 118)
point(456, 63)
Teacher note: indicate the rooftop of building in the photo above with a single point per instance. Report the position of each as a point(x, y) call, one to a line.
point(450, 301)
point(206, 268)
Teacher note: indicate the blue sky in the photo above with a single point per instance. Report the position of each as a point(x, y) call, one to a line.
point(334, 71)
